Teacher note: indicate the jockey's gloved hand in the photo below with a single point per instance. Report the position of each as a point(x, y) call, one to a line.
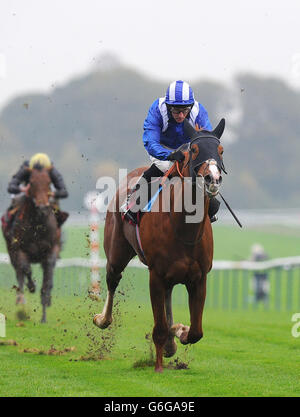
point(176, 156)
point(24, 188)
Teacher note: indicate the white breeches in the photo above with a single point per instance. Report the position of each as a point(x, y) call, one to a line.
point(162, 165)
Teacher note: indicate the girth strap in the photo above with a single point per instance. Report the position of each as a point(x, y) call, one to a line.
point(138, 238)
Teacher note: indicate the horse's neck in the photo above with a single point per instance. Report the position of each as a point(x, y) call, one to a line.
point(189, 227)
point(31, 215)
point(25, 209)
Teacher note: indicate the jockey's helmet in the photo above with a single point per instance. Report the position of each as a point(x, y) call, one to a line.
point(41, 159)
point(179, 93)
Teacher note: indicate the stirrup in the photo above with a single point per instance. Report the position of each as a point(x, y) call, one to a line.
point(126, 205)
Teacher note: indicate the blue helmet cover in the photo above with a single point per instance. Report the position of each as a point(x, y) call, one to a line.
point(179, 93)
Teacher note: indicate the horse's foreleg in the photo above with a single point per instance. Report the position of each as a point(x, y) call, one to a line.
point(20, 290)
point(113, 277)
point(22, 267)
point(170, 346)
point(30, 282)
point(160, 329)
point(197, 294)
point(48, 268)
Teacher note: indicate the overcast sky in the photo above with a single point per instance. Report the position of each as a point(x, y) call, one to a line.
point(44, 43)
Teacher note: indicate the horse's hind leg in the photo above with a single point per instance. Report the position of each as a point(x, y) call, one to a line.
point(119, 253)
point(170, 346)
point(113, 277)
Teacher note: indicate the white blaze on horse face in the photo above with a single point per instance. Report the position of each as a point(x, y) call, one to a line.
point(214, 170)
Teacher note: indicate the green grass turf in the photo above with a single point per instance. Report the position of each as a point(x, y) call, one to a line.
point(233, 243)
point(241, 354)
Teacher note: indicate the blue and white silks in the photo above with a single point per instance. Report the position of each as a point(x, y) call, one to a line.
point(160, 129)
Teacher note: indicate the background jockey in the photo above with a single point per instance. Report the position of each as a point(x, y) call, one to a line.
point(164, 133)
point(19, 184)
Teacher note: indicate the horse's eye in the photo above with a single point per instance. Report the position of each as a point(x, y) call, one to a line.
point(193, 150)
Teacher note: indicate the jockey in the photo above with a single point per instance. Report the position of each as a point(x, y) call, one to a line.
point(164, 133)
point(19, 185)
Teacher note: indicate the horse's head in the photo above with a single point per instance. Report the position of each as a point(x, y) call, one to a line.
point(39, 188)
point(204, 157)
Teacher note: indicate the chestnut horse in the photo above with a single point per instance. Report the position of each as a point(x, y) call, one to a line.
point(175, 251)
point(34, 237)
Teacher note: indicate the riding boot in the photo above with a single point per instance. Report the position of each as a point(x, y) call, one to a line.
point(61, 216)
point(131, 213)
point(213, 208)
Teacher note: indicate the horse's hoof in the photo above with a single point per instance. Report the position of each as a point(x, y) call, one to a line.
point(95, 296)
point(31, 288)
point(184, 337)
point(159, 369)
point(170, 349)
point(100, 321)
point(180, 330)
point(20, 299)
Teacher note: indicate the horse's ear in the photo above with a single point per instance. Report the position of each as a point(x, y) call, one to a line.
point(189, 131)
point(218, 131)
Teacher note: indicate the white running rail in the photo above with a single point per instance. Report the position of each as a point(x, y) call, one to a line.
point(217, 265)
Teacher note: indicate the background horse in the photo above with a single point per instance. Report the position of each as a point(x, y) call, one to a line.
point(176, 252)
point(34, 237)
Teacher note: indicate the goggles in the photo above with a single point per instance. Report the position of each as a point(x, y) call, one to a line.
point(178, 110)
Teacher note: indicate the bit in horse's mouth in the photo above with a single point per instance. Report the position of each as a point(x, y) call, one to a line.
point(212, 190)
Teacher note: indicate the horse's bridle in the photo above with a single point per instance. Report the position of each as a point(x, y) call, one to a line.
point(195, 164)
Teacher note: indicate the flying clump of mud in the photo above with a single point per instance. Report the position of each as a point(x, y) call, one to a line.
point(22, 314)
point(102, 342)
point(51, 351)
point(176, 363)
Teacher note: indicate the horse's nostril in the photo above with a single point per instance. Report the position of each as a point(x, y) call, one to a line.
point(208, 179)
